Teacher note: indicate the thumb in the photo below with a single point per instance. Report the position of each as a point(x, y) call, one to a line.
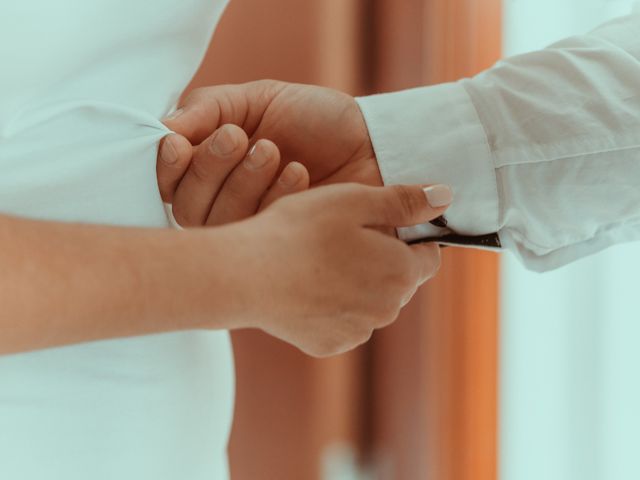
point(407, 205)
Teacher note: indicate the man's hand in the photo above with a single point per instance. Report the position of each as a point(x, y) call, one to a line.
point(222, 180)
point(321, 128)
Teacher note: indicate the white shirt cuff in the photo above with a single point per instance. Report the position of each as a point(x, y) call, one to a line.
point(432, 135)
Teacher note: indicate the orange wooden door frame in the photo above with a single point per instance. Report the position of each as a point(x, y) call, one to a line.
point(435, 384)
point(470, 36)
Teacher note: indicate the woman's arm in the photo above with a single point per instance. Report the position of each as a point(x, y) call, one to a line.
point(67, 283)
point(309, 270)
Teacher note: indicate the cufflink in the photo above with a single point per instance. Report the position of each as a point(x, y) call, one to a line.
point(490, 241)
point(440, 222)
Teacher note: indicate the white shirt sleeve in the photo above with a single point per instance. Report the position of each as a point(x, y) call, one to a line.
point(543, 148)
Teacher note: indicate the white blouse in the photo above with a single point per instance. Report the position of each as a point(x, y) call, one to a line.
point(543, 148)
point(82, 89)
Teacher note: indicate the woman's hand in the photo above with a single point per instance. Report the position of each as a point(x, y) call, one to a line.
point(222, 180)
point(317, 272)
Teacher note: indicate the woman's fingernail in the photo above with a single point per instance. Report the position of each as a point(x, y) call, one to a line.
point(169, 154)
point(289, 176)
point(222, 143)
point(438, 196)
point(174, 115)
point(256, 159)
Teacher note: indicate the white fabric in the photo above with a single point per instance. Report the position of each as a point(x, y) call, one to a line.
point(543, 148)
point(82, 89)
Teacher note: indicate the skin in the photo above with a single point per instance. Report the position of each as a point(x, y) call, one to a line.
point(311, 269)
point(222, 180)
point(323, 277)
point(322, 129)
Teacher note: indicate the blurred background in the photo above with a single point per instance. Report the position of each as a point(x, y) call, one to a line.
point(492, 371)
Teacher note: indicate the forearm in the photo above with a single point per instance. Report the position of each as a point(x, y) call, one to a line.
point(66, 283)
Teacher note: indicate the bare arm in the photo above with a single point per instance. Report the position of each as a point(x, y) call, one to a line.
point(66, 283)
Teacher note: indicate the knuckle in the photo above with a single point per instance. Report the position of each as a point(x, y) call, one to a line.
point(326, 347)
point(364, 336)
point(389, 313)
point(362, 331)
point(315, 351)
point(355, 330)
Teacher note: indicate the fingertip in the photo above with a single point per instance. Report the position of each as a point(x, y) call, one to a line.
point(305, 177)
point(293, 179)
point(228, 140)
point(266, 148)
point(234, 129)
point(263, 156)
point(174, 150)
point(174, 156)
point(294, 176)
point(183, 146)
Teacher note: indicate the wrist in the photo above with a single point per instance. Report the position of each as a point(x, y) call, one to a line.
point(216, 276)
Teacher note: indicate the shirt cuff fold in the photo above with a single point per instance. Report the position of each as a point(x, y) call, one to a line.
point(432, 135)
